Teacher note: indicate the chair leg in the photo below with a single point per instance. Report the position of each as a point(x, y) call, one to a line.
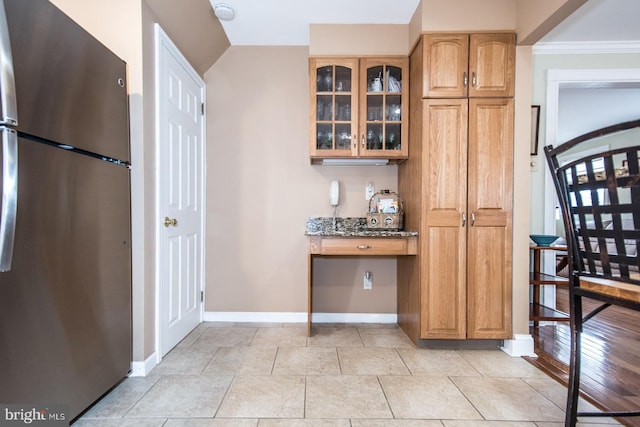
point(573, 392)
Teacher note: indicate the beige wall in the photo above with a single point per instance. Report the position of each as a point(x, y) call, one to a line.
point(468, 15)
point(415, 27)
point(521, 198)
point(148, 321)
point(359, 40)
point(261, 188)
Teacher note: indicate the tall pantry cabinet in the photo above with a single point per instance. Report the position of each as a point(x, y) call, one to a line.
point(457, 184)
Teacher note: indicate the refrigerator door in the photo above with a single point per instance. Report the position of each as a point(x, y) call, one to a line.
point(65, 306)
point(9, 188)
point(69, 87)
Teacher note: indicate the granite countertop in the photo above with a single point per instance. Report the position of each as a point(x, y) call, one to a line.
point(349, 227)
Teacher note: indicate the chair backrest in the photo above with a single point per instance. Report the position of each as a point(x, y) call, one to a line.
point(599, 197)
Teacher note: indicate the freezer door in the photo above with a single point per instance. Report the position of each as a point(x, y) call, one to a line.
point(69, 87)
point(8, 108)
point(65, 307)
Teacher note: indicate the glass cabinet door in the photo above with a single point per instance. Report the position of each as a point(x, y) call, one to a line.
point(334, 109)
point(384, 109)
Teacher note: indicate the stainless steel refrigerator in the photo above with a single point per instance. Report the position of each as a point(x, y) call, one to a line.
point(65, 245)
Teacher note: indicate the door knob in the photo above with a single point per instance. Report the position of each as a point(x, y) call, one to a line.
point(170, 221)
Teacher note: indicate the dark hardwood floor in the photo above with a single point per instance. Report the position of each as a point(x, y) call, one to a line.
point(611, 356)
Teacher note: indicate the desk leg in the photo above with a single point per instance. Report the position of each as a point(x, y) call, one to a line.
point(309, 291)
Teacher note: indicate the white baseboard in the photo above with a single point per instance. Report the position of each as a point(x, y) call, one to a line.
point(142, 369)
point(295, 317)
point(520, 345)
point(258, 317)
point(353, 318)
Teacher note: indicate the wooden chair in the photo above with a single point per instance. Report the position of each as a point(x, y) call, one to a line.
point(599, 197)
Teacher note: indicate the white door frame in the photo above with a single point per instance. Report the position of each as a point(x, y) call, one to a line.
point(555, 80)
point(160, 35)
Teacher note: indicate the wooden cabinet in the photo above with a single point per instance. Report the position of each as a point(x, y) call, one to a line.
point(358, 108)
point(468, 65)
point(457, 188)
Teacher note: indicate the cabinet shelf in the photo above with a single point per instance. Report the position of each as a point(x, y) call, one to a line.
point(540, 312)
point(537, 278)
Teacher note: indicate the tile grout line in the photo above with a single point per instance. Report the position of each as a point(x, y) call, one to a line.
point(386, 399)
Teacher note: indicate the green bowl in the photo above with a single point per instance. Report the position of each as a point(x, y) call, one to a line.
point(543, 239)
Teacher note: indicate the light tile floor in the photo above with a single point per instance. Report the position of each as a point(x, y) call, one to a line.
point(273, 375)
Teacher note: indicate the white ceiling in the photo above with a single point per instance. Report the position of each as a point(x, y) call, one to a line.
point(286, 22)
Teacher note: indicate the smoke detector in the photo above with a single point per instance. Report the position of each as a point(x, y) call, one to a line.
point(224, 12)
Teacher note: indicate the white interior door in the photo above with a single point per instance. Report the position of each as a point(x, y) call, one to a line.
point(180, 180)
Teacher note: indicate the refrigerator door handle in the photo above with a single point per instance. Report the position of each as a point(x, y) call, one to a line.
point(8, 103)
point(9, 196)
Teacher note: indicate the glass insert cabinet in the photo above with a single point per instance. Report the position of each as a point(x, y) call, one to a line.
point(359, 108)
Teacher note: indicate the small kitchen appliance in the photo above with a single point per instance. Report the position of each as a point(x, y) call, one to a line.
point(386, 211)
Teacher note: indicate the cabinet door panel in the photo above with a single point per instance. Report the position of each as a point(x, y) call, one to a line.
point(489, 289)
point(443, 312)
point(490, 196)
point(492, 65)
point(333, 84)
point(446, 61)
point(490, 154)
point(384, 100)
point(444, 205)
point(446, 130)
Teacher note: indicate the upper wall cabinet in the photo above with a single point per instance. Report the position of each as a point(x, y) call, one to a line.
point(469, 65)
point(359, 108)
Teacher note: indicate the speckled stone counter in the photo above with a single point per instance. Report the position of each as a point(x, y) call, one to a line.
point(349, 227)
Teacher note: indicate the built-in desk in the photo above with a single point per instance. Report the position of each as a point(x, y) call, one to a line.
point(348, 237)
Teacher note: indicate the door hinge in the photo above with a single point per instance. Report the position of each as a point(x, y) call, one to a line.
point(201, 296)
point(202, 108)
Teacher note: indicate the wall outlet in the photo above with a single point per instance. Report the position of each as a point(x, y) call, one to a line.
point(369, 191)
point(368, 280)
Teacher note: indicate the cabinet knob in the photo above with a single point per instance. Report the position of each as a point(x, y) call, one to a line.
point(464, 219)
point(474, 80)
point(465, 79)
point(363, 247)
